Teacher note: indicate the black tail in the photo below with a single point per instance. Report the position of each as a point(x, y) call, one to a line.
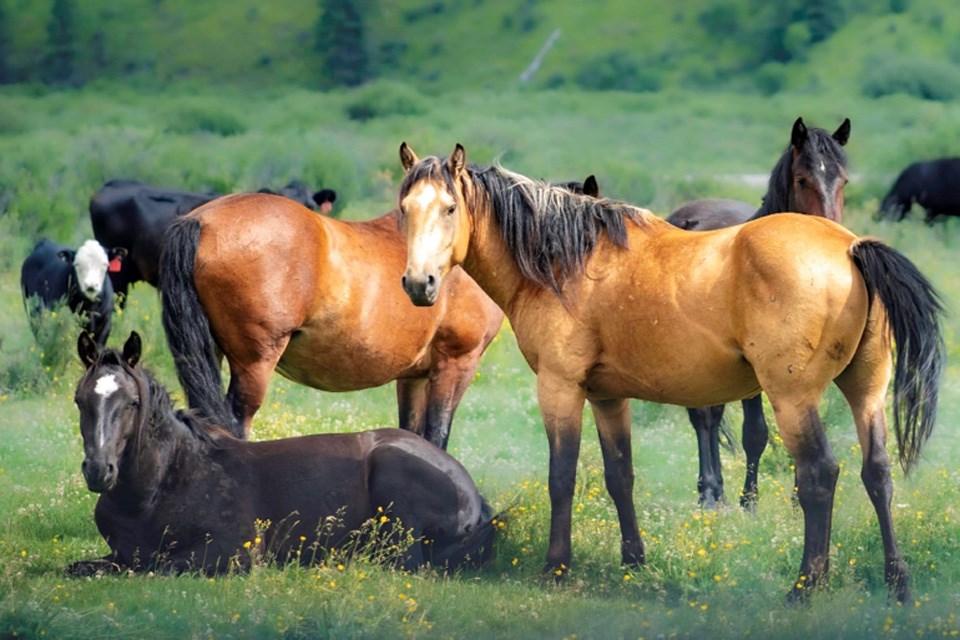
point(913, 308)
point(471, 550)
point(188, 328)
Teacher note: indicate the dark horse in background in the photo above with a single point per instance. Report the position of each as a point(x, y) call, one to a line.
point(932, 184)
point(270, 285)
point(808, 178)
point(178, 493)
point(134, 215)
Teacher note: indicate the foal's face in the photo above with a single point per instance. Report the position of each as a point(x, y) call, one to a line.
point(437, 228)
point(109, 404)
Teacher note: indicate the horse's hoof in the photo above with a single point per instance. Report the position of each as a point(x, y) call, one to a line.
point(748, 502)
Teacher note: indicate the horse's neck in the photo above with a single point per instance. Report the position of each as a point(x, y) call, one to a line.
point(490, 264)
point(145, 466)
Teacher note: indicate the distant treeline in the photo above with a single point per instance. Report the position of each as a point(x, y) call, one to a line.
point(883, 46)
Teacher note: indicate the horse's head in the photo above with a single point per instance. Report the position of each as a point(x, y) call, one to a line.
point(819, 170)
point(434, 211)
point(109, 400)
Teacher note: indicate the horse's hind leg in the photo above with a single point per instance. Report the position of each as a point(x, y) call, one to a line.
point(706, 425)
point(248, 388)
point(756, 433)
point(613, 427)
point(817, 470)
point(865, 393)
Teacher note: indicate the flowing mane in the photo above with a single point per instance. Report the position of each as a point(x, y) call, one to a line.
point(549, 230)
point(818, 143)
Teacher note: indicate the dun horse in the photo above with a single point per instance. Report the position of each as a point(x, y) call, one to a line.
point(179, 493)
point(273, 285)
point(609, 302)
point(808, 178)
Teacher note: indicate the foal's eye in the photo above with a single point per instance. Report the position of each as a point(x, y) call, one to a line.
point(802, 183)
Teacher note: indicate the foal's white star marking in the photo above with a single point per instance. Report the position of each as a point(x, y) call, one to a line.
point(106, 385)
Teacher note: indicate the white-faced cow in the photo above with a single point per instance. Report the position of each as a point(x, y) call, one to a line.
point(133, 215)
point(55, 274)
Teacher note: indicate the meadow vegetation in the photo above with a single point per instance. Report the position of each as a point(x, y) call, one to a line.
point(719, 573)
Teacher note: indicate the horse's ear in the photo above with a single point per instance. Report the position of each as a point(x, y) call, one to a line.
point(407, 157)
point(86, 349)
point(799, 134)
point(590, 187)
point(842, 134)
point(457, 160)
point(131, 349)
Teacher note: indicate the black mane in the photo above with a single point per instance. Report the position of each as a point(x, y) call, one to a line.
point(549, 230)
point(819, 145)
point(161, 416)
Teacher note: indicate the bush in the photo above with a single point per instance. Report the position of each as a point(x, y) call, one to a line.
point(617, 70)
point(928, 79)
point(188, 120)
point(385, 98)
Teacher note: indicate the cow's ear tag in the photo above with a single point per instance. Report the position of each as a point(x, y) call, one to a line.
point(114, 266)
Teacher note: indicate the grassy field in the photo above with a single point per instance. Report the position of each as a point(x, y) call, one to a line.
point(709, 574)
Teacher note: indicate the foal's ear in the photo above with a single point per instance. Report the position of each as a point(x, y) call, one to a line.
point(842, 134)
point(86, 349)
point(590, 187)
point(407, 157)
point(799, 134)
point(131, 349)
point(457, 160)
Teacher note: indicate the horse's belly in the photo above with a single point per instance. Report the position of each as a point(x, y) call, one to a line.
point(334, 363)
point(684, 386)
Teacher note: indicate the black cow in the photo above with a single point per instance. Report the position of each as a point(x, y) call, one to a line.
point(130, 214)
point(54, 274)
point(933, 184)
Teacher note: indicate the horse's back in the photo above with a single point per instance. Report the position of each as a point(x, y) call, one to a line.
point(708, 214)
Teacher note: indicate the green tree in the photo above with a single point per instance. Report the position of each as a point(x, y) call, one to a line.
point(6, 74)
point(341, 42)
point(61, 42)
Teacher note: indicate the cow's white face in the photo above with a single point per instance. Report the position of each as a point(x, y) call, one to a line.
point(90, 264)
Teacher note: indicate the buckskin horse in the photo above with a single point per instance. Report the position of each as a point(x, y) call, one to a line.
point(609, 302)
point(179, 493)
point(272, 285)
point(808, 178)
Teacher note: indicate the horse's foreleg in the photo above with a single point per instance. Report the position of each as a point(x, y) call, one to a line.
point(756, 433)
point(817, 472)
point(561, 405)
point(412, 404)
point(449, 379)
point(613, 427)
point(706, 425)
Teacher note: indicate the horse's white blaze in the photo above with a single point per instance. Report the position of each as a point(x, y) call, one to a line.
point(105, 387)
point(430, 240)
point(823, 167)
point(90, 264)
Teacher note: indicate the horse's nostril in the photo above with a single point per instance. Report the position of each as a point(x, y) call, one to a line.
point(83, 465)
point(431, 281)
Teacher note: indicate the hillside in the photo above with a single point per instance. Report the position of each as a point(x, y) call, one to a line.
point(748, 45)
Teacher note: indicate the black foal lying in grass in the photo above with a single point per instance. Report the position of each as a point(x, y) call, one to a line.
point(178, 493)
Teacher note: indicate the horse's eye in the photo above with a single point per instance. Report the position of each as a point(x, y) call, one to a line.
point(451, 209)
point(135, 404)
point(802, 183)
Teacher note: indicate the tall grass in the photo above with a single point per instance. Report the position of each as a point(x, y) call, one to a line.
point(708, 574)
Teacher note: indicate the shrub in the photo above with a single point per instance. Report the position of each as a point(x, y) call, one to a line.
point(617, 70)
point(189, 120)
point(922, 78)
point(385, 98)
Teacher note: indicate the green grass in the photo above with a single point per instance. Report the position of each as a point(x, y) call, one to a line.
point(718, 574)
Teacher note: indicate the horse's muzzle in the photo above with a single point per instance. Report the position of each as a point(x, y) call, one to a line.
point(422, 290)
point(100, 476)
